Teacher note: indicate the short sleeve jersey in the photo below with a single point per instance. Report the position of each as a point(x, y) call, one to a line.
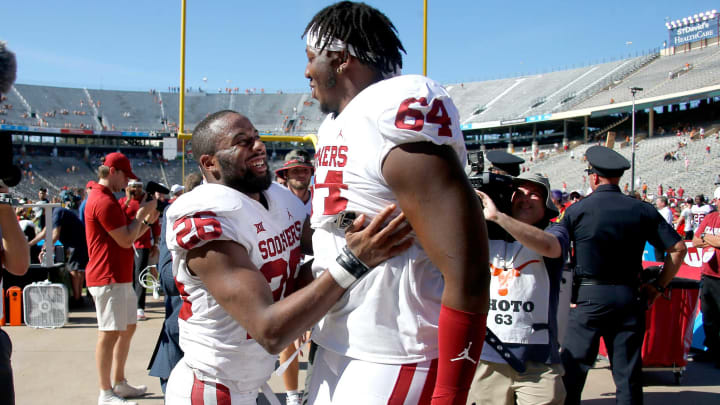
point(699, 212)
point(389, 316)
point(214, 342)
point(72, 235)
point(108, 262)
point(710, 225)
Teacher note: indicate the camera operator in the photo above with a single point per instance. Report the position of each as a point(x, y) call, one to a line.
point(524, 287)
point(146, 246)
point(16, 260)
point(14, 252)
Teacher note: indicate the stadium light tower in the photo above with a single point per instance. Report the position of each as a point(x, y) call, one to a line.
point(633, 90)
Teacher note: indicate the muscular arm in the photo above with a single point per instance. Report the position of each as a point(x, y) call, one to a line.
point(232, 279)
point(242, 290)
point(16, 254)
point(446, 216)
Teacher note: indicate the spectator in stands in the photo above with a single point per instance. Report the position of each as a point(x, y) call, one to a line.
point(680, 192)
point(70, 231)
point(109, 274)
point(145, 247)
point(167, 349)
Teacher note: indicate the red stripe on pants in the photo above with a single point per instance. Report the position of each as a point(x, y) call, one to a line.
point(222, 394)
point(402, 385)
point(429, 386)
point(196, 395)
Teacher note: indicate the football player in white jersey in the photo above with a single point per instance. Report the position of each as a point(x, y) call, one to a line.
point(236, 246)
point(699, 210)
point(414, 328)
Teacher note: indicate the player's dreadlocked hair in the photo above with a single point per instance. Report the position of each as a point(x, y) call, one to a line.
point(203, 139)
point(368, 30)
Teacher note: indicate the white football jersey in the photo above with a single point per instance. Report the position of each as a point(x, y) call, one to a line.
point(390, 315)
point(698, 213)
point(212, 340)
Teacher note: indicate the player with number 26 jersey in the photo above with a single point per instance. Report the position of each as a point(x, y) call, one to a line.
point(391, 315)
point(214, 343)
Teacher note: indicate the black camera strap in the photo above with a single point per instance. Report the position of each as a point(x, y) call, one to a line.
point(495, 342)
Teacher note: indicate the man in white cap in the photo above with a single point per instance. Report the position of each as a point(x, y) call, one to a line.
point(176, 191)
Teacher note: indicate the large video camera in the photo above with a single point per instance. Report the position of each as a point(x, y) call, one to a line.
point(498, 187)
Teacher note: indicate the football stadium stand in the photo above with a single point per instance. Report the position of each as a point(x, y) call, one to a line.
point(593, 98)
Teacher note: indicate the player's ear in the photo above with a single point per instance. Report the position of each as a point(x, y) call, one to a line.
point(208, 164)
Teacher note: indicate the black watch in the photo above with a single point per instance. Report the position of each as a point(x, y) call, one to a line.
point(658, 287)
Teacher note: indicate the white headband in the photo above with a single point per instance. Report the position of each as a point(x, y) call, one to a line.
point(331, 44)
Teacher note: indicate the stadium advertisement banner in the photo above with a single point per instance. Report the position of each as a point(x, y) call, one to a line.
point(134, 133)
point(694, 32)
point(536, 118)
point(76, 131)
point(23, 128)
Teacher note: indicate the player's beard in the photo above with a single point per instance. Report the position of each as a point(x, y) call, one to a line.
point(330, 83)
point(247, 182)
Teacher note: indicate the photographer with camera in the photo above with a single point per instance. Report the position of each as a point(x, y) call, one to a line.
point(14, 252)
point(525, 282)
point(109, 274)
point(146, 246)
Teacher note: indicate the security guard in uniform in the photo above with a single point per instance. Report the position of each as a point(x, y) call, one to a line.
point(609, 231)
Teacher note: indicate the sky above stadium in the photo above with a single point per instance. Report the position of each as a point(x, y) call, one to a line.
point(135, 45)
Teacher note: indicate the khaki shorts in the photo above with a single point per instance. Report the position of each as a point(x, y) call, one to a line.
point(115, 306)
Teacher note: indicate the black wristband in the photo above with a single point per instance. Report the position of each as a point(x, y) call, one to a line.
point(351, 263)
point(146, 222)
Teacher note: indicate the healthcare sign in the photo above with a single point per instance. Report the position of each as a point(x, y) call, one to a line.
point(693, 32)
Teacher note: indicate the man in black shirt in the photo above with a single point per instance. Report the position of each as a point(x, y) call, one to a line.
point(609, 231)
point(70, 231)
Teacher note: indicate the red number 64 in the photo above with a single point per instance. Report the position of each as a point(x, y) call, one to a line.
point(409, 118)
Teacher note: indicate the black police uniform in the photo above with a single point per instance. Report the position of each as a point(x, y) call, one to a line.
point(609, 230)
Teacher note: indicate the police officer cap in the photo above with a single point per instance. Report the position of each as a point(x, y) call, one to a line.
point(505, 161)
point(606, 162)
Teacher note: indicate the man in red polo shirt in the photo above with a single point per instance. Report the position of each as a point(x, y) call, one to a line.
point(109, 274)
point(145, 246)
point(707, 237)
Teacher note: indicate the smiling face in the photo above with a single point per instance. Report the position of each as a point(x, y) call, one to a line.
point(240, 160)
point(321, 70)
point(298, 178)
point(528, 203)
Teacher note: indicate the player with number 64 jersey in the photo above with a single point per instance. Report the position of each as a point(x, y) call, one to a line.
point(401, 299)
